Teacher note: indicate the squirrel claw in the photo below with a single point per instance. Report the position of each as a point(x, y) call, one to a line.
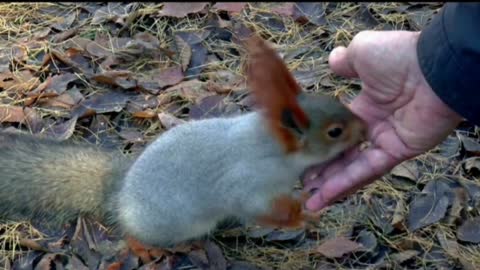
point(286, 212)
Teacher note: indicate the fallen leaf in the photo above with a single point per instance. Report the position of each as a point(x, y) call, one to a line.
point(399, 214)
point(451, 247)
point(131, 135)
point(337, 247)
point(216, 260)
point(145, 114)
point(407, 169)
point(365, 17)
point(285, 235)
point(400, 257)
point(22, 81)
point(231, 7)
point(209, 106)
point(26, 262)
point(76, 64)
point(198, 258)
point(193, 90)
point(238, 265)
point(150, 85)
point(62, 131)
point(472, 165)
point(78, 43)
point(469, 231)
point(198, 51)
point(284, 9)
point(449, 147)
point(148, 41)
point(114, 12)
point(55, 85)
point(170, 76)
point(429, 207)
point(65, 22)
point(419, 19)
point(458, 203)
point(181, 9)
point(12, 114)
point(109, 102)
point(470, 145)
point(142, 102)
point(169, 121)
point(367, 239)
point(66, 100)
point(310, 11)
point(184, 52)
point(259, 232)
point(123, 79)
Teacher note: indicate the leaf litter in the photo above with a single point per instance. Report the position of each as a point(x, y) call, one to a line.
point(119, 74)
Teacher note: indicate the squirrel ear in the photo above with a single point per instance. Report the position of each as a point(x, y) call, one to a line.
point(288, 120)
point(275, 89)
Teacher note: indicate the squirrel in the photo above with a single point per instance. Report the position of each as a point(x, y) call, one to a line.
point(192, 176)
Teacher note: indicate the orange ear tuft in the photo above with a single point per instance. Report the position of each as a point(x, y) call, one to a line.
point(275, 89)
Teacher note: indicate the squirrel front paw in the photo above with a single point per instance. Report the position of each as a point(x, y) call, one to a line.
point(286, 212)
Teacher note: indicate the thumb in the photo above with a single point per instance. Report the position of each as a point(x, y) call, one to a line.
point(340, 62)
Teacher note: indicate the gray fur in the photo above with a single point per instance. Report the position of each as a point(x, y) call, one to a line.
point(199, 173)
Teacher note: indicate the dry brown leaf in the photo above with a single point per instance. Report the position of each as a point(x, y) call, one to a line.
point(470, 145)
point(469, 231)
point(407, 169)
point(170, 76)
point(110, 102)
point(145, 114)
point(169, 121)
point(114, 12)
point(55, 85)
point(65, 59)
point(337, 247)
point(22, 81)
point(12, 114)
point(400, 257)
point(216, 260)
point(184, 51)
point(123, 79)
point(182, 9)
point(66, 100)
point(78, 43)
point(284, 9)
point(65, 22)
point(451, 247)
point(131, 135)
point(62, 131)
point(65, 35)
point(193, 90)
point(232, 7)
point(430, 207)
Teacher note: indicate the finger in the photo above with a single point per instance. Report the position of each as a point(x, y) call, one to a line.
point(369, 164)
point(340, 62)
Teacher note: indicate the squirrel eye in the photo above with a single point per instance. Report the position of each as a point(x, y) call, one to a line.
point(334, 131)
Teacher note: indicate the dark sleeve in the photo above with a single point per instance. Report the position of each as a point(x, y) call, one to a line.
point(449, 55)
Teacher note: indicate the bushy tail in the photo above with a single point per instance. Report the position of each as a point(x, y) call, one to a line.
point(44, 178)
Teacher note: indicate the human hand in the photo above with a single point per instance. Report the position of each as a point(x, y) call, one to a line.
point(405, 118)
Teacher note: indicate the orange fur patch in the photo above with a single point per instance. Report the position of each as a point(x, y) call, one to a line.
point(275, 89)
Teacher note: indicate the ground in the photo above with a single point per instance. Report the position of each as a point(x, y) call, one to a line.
point(117, 75)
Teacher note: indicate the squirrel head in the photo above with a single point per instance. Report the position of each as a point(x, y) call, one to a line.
point(332, 127)
point(313, 125)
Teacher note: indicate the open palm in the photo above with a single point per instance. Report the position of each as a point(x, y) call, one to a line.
point(404, 116)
